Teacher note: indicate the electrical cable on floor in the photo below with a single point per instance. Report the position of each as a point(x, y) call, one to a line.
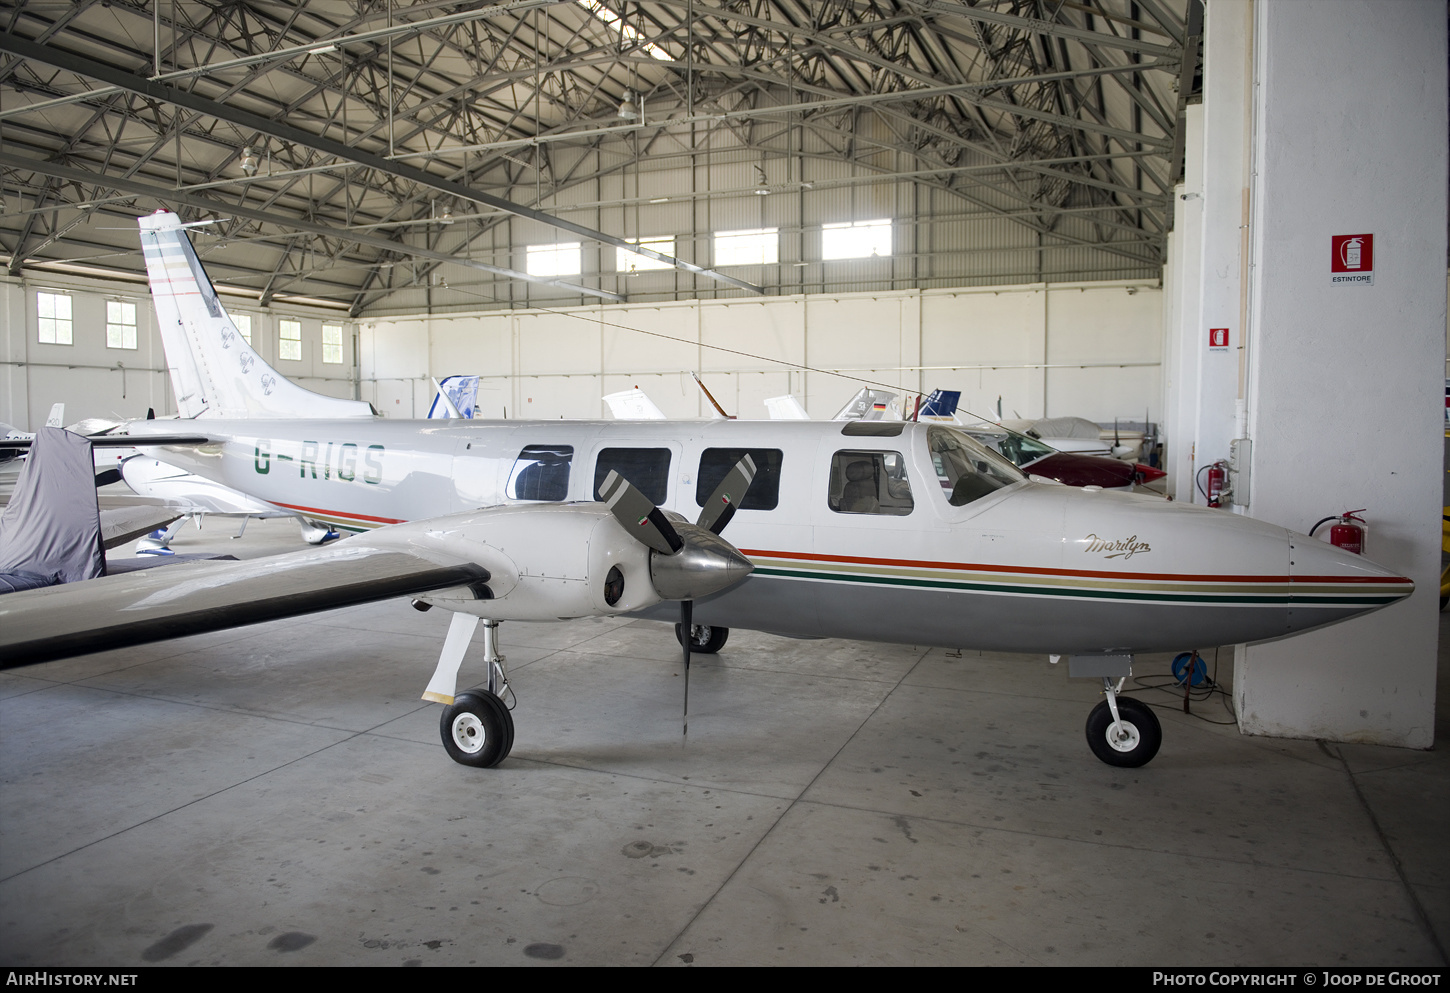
point(1183, 690)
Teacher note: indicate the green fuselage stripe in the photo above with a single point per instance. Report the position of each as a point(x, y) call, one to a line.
point(1058, 591)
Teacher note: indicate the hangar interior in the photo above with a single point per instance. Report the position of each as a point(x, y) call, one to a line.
point(1039, 203)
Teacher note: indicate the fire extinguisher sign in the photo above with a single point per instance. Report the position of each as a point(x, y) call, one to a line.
point(1351, 260)
point(1218, 339)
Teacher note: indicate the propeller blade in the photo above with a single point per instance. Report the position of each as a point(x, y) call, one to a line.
point(727, 496)
point(108, 477)
point(640, 518)
point(687, 612)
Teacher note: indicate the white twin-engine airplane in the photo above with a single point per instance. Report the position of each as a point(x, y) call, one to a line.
point(885, 531)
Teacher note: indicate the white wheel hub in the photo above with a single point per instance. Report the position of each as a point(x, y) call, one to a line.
point(468, 733)
point(700, 635)
point(1123, 736)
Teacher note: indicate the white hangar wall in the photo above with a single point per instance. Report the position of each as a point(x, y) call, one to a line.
point(97, 381)
point(1089, 349)
point(1337, 386)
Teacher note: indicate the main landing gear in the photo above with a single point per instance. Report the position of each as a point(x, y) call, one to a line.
point(1122, 731)
point(476, 727)
point(704, 639)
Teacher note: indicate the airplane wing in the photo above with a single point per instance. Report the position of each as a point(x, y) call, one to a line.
point(528, 562)
point(123, 524)
point(157, 604)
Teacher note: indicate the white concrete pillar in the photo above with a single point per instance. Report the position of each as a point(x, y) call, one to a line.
point(1222, 298)
point(1344, 391)
point(1183, 371)
point(14, 349)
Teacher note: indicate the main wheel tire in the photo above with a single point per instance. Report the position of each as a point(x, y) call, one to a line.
point(707, 641)
point(477, 729)
point(1135, 742)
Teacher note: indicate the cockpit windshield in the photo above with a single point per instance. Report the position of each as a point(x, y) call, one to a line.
point(1017, 448)
point(966, 469)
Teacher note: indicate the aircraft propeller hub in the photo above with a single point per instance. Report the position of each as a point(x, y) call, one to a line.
point(706, 564)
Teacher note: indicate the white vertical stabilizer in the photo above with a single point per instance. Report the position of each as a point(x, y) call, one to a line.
point(213, 370)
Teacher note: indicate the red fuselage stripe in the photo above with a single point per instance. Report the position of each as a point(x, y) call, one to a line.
point(1081, 573)
point(339, 513)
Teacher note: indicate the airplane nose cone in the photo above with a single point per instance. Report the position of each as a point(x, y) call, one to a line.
point(1328, 584)
point(707, 564)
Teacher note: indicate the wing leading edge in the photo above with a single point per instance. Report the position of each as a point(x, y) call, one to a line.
point(157, 604)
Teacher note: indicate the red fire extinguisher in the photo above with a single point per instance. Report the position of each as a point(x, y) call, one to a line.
point(1217, 480)
point(1349, 532)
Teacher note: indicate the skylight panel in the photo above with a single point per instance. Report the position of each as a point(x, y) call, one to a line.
point(627, 261)
point(859, 240)
point(630, 34)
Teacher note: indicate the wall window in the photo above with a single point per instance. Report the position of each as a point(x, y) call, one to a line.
point(553, 260)
point(120, 324)
point(756, 247)
point(244, 325)
point(332, 343)
point(54, 312)
point(289, 339)
point(860, 240)
point(627, 261)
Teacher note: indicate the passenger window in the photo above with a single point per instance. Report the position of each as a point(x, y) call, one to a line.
point(716, 463)
point(870, 483)
point(647, 468)
point(541, 472)
point(966, 469)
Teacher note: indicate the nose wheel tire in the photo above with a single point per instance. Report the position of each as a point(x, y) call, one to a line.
point(1130, 743)
point(706, 640)
point(477, 729)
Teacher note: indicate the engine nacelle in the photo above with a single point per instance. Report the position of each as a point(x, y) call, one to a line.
point(545, 561)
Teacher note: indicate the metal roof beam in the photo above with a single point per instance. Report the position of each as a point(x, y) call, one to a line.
point(57, 171)
point(286, 132)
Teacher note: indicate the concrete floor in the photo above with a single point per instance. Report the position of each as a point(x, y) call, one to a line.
point(278, 795)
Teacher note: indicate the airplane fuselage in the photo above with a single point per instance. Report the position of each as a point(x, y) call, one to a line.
point(1026, 567)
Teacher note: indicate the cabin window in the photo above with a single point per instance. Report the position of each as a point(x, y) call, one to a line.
point(870, 483)
point(541, 472)
point(647, 468)
point(764, 491)
point(966, 470)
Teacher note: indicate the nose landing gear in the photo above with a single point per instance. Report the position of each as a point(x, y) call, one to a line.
point(1122, 731)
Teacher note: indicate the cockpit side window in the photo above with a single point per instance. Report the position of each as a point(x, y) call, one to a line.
point(541, 472)
point(647, 468)
point(965, 469)
point(870, 483)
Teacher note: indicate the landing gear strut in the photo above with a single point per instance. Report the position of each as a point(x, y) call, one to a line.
point(476, 727)
point(1121, 731)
